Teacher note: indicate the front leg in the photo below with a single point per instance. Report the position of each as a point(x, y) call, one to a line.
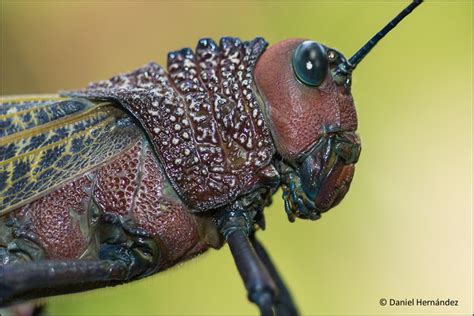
point(297, 203)
point(285, 305)
point(236, 224)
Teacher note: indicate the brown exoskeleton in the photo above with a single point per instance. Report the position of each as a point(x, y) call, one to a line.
point(134, 174)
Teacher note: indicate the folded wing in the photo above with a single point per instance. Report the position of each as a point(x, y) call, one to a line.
point(45, 142)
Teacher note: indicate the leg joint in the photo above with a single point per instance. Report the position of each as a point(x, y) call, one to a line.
point(120, 241)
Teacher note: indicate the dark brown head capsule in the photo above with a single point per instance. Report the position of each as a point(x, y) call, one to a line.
point(306, 88)
point(313, 121)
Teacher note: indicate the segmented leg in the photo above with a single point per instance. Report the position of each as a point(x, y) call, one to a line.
point(235, 226)
point(297, 203)
point(126, 253)
point(285, 305)
point(21, 282)
point(260, 286)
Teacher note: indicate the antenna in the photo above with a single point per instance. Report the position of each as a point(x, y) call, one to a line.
point(361, 53)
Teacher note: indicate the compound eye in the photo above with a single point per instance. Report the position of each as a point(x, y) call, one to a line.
point(310, 63)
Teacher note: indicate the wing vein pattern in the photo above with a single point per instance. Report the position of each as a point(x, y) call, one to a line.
point(45, 142)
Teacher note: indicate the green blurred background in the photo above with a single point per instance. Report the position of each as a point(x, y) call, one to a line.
point(404, 229)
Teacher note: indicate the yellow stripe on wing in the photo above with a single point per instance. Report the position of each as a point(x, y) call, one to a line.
point(38, 159)
point(70, 119)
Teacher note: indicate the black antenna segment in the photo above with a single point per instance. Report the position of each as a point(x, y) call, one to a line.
point(361, 53)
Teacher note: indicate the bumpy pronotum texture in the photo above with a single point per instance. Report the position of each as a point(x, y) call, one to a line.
point(203, 118)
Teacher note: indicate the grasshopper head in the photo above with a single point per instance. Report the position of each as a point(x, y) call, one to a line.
point(306, 91)
point(313, 121)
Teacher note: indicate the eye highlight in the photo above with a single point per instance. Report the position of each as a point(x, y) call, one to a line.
point(310, 63)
